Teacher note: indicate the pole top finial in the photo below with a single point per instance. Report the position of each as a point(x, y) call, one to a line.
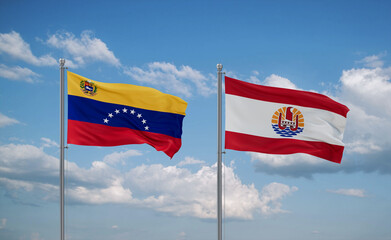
point(219, 67)
point(62, 61)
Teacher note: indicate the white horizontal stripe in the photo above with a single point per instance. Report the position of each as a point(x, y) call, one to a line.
point(249, 116)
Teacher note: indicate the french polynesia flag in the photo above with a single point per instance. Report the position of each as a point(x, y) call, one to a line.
point(283, 121)
point(112, 114)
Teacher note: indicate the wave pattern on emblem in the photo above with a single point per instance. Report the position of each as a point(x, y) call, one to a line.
point(286, 132)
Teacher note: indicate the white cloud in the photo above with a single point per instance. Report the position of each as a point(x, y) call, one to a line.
point(254, 77)
point(84, 49)
point(18, 74)
point(367, 93)
point(16, 184)
point(190, 161)
point(169, 189)
point(13, 44)
point(368, 88)
point(180, 192)
point(283, 160)
point(278, 81)
point(27, 186)
point(36, 236)
point(180, 80)
point(271, 196)
point(49, 143)
point(373, 61)
point(350, 192)
point(115, 193)
point(181, 236)
point(294, 165)
point(6, 121)
point(120, 157)
point(3, 223)
point(26, 160)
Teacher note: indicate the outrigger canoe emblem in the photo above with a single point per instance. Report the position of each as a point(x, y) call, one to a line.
point(288, 122)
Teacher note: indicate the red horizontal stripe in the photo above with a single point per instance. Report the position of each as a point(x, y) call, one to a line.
point(283, 95)
point(91, 134)
point(251, 143)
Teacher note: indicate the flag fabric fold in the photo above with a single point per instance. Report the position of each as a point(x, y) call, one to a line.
point(112, 114)
point(283, 121)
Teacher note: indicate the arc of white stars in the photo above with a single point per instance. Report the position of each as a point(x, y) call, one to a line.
point(125, 110)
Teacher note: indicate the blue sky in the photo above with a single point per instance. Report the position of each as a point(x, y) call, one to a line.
point(338, 48)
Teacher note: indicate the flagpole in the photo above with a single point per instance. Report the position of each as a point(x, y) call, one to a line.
point(219, 153)
point(62, 63)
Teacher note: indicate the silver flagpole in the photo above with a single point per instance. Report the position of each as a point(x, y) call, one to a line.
point(62, 63)
point(219, 154)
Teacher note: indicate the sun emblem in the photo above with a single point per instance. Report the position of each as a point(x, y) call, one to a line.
point(288, 122)
point(88, 88)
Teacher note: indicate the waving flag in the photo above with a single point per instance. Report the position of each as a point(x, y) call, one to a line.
point(112, 114)
point(283, 121)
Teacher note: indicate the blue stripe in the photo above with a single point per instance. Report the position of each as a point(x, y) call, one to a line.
point(88, 110)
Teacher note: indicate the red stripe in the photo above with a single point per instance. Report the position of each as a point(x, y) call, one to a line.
point(283, 95)
point(251, 143)
point(91, 134)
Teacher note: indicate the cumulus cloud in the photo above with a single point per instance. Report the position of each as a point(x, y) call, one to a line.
point(120, 157)
point(114, 193)
point(18, 74)
point(36, 236)
point(278, 81)
point(295, 165)
point(181, 236)
point(350, 192)
point(180, 80)
point(13, 45)
point(48, 143)
point(6, 121)
point(169, 189)
point(373, 61)
point(3, 223)
point(271, 196)
point(183, 193)
point(83, 49)
point(366, 92)
point(190, 161)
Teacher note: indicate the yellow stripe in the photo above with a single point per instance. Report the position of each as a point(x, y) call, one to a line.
point(127, 94)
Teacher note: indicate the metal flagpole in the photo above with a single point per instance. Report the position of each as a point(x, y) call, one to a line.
point(62, 63)
point(219, 154)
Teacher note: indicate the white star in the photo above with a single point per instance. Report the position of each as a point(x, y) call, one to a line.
point(116, 111)
point(132, 111)
point(106, 120)
point(146, 128)
point(144, 121)
point(124, 110)
point(139, 115)
point(110, 115)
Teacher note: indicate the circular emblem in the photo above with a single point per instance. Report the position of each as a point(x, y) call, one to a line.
point(288, 122)
point(88, 87)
